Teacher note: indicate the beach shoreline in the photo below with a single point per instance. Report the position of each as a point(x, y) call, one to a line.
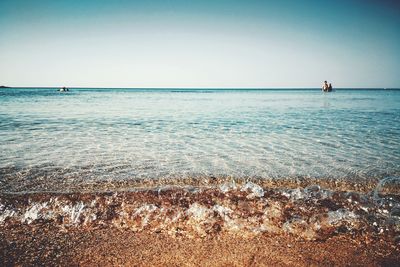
point(242, 224)
point(29, 183)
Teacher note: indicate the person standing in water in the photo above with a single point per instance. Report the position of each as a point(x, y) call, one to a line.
point(325, 86)
point(330, 87)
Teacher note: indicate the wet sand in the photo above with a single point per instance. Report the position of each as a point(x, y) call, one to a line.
point(231, 224)
point(111, 247)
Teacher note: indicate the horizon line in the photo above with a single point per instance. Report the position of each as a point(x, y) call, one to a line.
point(195, 88)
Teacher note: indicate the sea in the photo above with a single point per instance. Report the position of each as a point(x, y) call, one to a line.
point(99, 134)
point(202, 162)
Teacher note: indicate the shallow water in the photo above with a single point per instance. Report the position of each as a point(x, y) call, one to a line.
point(122, 134)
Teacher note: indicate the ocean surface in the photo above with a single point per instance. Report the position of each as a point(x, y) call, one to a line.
point(125, 134)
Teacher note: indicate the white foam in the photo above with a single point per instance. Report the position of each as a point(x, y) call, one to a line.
point(198, 212)
point(231, 222)
point(297, 194)
point(226, 187)
point(5, 214)
point(341, 215)
point(74, 211)
point(33, 212)
point(145, 212)
point(256, 190)
point(222, 211)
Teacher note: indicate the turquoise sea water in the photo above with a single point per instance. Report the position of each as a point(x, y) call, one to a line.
point(153, 133)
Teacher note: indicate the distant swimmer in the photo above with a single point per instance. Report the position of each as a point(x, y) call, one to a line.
point(325, 86)
point(64, 89)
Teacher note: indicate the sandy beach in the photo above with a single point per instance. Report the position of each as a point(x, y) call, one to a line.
point(111, 247)
point(231, 224)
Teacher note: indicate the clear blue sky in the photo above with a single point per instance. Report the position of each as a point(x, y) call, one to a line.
point(352, 43)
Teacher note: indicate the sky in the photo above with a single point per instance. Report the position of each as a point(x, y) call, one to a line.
point(200, 44)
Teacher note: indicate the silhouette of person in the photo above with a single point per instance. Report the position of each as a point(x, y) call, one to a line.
point(325, 86)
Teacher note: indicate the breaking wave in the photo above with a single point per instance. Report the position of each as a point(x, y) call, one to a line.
point(310, 213)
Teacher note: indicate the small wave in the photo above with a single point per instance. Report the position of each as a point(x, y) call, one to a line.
point(312, 213)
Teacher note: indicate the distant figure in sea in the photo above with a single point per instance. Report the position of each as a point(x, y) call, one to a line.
point(64, 89)
point(325, 86)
